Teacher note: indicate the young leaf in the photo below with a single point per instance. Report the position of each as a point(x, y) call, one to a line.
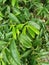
point(14, 32)
point(3, 63)
point(13, 2)
point(34, 29)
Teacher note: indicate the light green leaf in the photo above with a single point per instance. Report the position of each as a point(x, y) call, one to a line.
point(20, 26)
point(14, 32)
point(34, 29)
point(33, 23)
point(13, 2)
point(1, 1)
point(1, 15)
point(31, 32)
point(4, 1)
point(44, 53)
point(24, 30)
point(44, 63)
point(3, 63)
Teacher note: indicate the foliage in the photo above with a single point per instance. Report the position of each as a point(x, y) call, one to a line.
point(24, 32)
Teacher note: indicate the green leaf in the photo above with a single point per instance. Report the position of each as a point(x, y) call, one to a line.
point(24, 30)
point(0, 34)
point(1, 18)
point(13, 18)
point(3, 63)
point(5, 57)
point(1, 1)
point(26, 13)
point(31, 32)
point(34, 29)
point(1, 15)
point(16, 11)
point(25, 40)
point(34, 24)
point(26, 53)
point(47, 43)
point(13, 2)
point(44, 63)
point(2, 44)
point(10, 58)
point(14, 52)
point(44, 53)
point(14, 32)
point(4, 1)
point(37, 42)
point(9, 34)
point(46, 37)
point(20, 26)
